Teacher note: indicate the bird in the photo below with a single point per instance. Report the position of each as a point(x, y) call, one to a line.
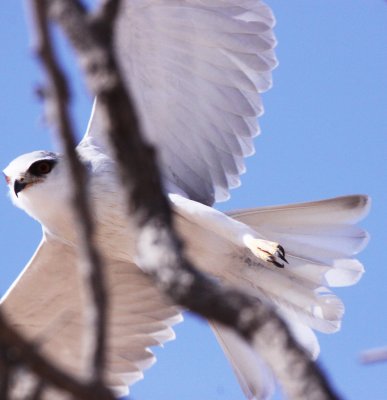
point(196, 70)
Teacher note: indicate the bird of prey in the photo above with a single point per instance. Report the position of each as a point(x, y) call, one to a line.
point(196, 69)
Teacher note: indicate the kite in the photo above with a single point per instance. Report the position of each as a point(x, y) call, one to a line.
point(196, 70)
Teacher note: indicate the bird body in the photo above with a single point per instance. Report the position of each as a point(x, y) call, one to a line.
point(320, 237)
point(196, 70)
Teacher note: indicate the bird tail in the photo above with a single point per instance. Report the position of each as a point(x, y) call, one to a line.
point(320, 239)
point(253, 376)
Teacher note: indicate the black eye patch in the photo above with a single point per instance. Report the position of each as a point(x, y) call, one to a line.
point(41, 167)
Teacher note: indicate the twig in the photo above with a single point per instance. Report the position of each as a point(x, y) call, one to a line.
point(374, 355)
point(159, 250)
point(91, 265)
point(38, 390)
point(26, 354)
point(5, 372)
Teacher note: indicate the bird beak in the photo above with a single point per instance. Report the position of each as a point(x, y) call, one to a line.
point(18, 186)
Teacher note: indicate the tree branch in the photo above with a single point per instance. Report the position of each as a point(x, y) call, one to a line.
point(57, 100)
point(23, 353)
point(5, 371)
point(373, 356)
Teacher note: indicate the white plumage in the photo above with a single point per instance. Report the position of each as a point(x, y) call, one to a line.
point(196, 69)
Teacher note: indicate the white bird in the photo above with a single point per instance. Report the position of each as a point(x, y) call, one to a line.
point(196, 69)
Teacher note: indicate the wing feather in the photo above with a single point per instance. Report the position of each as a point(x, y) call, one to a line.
point(196, 69)
point(45, 303)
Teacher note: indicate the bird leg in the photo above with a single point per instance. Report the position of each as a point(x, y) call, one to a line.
point(266, 250)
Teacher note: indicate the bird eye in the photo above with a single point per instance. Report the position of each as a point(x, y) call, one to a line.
point(41, 167)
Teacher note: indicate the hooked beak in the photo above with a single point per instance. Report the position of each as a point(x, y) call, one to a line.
point(18, 186)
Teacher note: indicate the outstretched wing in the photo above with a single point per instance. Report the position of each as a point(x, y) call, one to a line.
point(45, 304)
point(196, 69)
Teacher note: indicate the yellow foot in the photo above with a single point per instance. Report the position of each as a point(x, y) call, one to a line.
point(271, 252)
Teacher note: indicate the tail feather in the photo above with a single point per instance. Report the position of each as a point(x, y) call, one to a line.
point(320, 240)
point(310, 303)
point(254, 377)
point(322, 312)
point(334, 273)
point(304, 335)
point(341, 210)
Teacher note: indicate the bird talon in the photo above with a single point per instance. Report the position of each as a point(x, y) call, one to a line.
point(270, 252)
point(278, 265)
point(272, 260)
point(281, 250)
point(281, 254)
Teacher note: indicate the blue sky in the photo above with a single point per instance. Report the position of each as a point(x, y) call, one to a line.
point(324, 135)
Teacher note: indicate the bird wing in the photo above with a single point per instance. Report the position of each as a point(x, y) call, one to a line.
point(196, 69)
point(45, 303)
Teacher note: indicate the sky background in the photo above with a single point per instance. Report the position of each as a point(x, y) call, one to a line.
point(324, 135)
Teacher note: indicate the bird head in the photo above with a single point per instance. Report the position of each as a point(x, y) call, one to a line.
point(35, 180)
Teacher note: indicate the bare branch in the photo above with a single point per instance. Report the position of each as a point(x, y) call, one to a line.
point(5, 372)
point(374, 355)
point(160, 252)
point(25, 354)
point(57, 100)
point(39, 390)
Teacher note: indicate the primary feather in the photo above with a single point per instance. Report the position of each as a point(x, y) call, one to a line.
point(196, 69)
point(46, 304)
